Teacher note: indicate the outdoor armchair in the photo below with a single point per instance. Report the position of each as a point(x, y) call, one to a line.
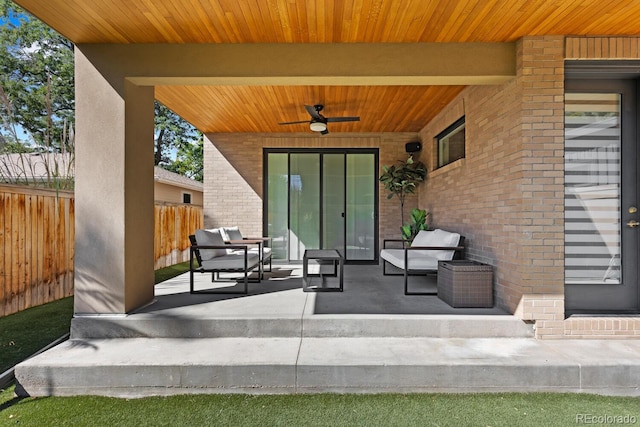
point(422, 256)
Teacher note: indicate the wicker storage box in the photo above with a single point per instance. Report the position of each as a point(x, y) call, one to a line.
point(465, 283)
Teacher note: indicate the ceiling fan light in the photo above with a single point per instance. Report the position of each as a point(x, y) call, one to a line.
point(318, 126)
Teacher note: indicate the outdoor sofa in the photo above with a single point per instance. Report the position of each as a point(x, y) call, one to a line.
point(233, 234)
point(215, 256)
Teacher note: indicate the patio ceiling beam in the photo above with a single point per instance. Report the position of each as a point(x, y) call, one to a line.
point(305, 64)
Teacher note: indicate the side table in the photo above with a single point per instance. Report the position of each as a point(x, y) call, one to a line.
point(464, 283)
point(330, 264)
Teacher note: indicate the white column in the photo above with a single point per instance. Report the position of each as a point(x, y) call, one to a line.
point(113, 191)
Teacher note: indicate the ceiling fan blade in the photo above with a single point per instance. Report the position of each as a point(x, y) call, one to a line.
point(313, 113)
point(343, 119)
point(318, 121)
point(294, 123)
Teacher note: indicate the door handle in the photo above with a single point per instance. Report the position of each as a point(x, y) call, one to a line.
point(633, 223)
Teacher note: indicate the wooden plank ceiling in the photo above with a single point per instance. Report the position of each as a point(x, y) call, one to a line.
point(381, 108)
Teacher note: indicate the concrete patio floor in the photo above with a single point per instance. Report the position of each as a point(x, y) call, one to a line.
point(371, 338)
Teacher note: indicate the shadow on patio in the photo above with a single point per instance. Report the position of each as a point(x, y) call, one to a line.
point(366, 291)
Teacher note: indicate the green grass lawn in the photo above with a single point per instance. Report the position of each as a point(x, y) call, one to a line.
point(513, 409)
point(171, 271)
point(24, 333)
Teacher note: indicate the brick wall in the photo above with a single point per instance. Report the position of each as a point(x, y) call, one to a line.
point(479, 196)
point(606, 327)
point(234, 174)
point(233, 182)
point(506, 195)
point(542, 240)
point(602, 48)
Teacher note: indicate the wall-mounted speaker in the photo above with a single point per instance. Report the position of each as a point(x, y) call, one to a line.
point(413, 147)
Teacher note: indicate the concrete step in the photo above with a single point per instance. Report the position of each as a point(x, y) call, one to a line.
point(345, 326)
point(137, 367)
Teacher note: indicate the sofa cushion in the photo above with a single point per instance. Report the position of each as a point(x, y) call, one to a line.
point(436, 237)
point(231, 233)
point(210, 237)
point(416, 259)
point(266, 253)
point(234, 261)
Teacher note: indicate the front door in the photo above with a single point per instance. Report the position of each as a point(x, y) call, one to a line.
point(601, 196)
point(325, 199)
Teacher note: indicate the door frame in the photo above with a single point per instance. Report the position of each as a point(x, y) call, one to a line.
point(623, 297)
point(321, 151)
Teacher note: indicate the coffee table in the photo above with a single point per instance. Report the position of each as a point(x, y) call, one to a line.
point(329, 263)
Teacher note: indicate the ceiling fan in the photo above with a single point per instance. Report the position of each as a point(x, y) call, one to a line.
point(318, 122)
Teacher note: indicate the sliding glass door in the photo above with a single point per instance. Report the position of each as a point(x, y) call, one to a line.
point(304, 205)
point(361, 208)
point(322, 200)
point(333, 197)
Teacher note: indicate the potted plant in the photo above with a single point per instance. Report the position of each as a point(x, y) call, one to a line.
point(419, 221)
point(402, 179)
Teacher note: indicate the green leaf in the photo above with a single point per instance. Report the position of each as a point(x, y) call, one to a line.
point(406, 232)
point(402, 179)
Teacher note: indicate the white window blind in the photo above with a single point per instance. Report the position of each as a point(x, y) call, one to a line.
point(592, 187)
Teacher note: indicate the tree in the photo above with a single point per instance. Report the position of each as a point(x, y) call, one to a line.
point(36, 76)
point(37, 96)
point(36, 100)
point(175, 136)
point(189, 160)
point(171, 133)
point(402, 179)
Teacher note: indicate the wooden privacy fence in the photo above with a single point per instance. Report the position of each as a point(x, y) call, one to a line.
point(37, 243)
point(173, 224)
point(36, 239)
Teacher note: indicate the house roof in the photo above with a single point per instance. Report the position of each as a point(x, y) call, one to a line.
point(385, 106)
point(167, 177)
point(40, 166)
